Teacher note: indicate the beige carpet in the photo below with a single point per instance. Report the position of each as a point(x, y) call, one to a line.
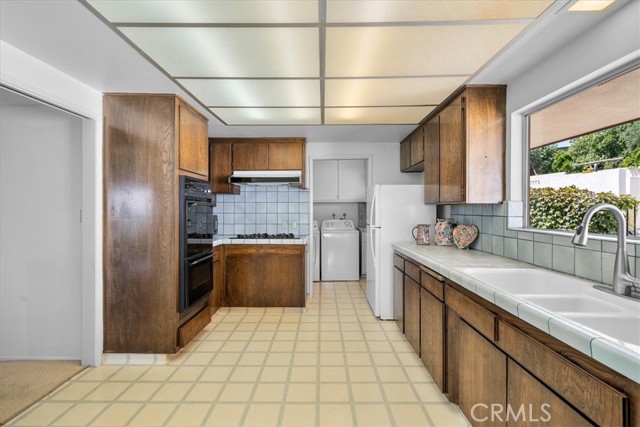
point(23, 383)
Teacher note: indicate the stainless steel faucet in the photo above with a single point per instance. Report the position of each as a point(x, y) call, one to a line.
point(623, 281)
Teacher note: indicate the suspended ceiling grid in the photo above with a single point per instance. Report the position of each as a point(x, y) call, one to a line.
point(329, 62)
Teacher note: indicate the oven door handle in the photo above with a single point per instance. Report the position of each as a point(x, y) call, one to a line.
point(199, 260)
point(207, 204)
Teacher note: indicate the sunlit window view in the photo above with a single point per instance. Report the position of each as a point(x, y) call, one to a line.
point(584, 150)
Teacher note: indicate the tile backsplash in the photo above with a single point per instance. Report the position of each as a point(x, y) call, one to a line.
point(263, 209)
point(594, 261)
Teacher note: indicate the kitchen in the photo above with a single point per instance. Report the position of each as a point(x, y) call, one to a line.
point(49, 68)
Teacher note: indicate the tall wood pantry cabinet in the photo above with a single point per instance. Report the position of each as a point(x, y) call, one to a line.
point(149, 141)
point(464, 147)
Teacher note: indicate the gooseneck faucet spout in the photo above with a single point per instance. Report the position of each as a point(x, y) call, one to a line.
point(623, 281)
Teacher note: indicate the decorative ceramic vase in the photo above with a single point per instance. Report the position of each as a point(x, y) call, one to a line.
point(421, 234)
point(443, 232)
point(465, 235)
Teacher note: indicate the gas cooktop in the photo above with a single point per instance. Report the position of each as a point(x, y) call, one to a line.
point(265, 236)
point(199, 236)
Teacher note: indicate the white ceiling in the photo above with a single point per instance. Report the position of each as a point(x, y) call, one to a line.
point(68, 36)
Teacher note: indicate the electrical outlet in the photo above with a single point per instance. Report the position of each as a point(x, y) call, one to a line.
point(284, 224)
point(294, 224)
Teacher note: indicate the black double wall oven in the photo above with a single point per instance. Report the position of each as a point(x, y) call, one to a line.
point(197, 227)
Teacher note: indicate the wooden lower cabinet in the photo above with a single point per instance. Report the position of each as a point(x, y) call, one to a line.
point(530, 402)
point(265, 275)
point(217, 296)
point(398, 297)
point(482, 375)
point(412, 313)
point(432, 336)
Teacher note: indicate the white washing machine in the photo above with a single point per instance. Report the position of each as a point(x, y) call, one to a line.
point(316, 251)
point(340, 255)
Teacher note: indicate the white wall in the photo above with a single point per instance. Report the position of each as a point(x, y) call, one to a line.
point(40, 259)
point(322, 211)
point(605, 43)
point(386, 159)
point(29, 75)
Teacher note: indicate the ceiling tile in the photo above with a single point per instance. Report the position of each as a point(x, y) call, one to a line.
point(269, 116)
point(373, 115)
point(255, 93)
point(432, 10)
point(411, 51)
point(230, 52)
point(376, 92)
point(207, 11)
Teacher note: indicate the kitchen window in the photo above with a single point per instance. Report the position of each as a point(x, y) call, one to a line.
point(585, 149)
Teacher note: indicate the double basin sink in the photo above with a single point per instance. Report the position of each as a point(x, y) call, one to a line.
point(568, 297)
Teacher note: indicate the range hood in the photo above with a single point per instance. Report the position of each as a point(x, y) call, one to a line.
point(292, 177)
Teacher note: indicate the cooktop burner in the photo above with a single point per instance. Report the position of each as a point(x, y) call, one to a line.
point(266, 236)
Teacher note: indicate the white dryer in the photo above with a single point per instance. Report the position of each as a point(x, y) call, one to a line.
point(316, 251)
point(340, 254)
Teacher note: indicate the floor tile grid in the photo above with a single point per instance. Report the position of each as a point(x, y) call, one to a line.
point(331, 303)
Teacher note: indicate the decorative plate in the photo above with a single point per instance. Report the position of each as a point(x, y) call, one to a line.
point(464, 235)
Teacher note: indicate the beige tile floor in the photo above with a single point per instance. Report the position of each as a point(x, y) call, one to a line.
point(333, 364)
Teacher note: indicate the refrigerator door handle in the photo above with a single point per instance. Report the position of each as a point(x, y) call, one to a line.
point(373, 207)
point(373, 250)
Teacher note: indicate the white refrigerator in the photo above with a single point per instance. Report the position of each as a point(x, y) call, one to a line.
point(392, 212)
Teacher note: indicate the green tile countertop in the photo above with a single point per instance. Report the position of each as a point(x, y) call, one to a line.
point(449, 261)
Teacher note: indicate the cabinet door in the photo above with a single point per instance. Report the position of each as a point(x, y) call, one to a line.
point(432, 336)
point(325, 180)
point(482, 376)
point(417, 146)
point(286, 155)
point(351, 180)
point(538, 405)
point(244, 280)
point(405, 154)
point(217, 297)
point(452, 152)
point(412, 312)
point(432, 161)
point(220, 170)
point(283, 277)
point(194, 141)
point(398, 298)
point(250, 156)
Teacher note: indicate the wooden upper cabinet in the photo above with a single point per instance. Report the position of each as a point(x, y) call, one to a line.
point(220, 167)
point(464, 142)
point(286, 155)
point(452, 152)
point(193, 140)
point(432, 161)
point(250, 156)
point(412, 152)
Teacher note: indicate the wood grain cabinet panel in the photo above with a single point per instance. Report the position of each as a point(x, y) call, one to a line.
point(244, 286)
point(250, 156)
point(217, 296)
point(283, 277)
point(417, 146)
point(193, 141)
point(286, 155)
point(432, 161)
point(482, 376)
point(412, 152)
point(220, 167)
point(452, 152)
point(398, 298)
point(432, 342)
point(539, 405)
point(405, 155)
point(412, 312)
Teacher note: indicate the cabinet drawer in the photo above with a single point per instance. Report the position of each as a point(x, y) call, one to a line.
point(412, 270)
point(193, 326)
point(595, 399)
point(430, 282)
point(398, 262)
point(477, 316)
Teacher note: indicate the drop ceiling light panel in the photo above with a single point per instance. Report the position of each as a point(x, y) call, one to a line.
point(268, 116)
point(230, 52)
point(432, 10)
point(255, 93)
point(377, 92)
point(412, 51)
point(375, 115)
point(207, 11)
